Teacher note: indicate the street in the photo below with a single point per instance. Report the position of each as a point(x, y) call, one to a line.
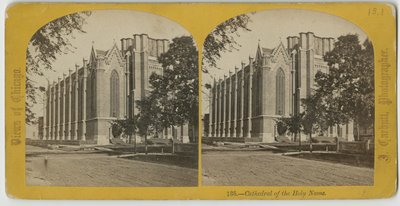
point(49, 167)
point(263, 168)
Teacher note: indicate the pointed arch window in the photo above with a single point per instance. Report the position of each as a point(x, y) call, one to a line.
point(93, 93)
point(280, 92)
point(114, 94)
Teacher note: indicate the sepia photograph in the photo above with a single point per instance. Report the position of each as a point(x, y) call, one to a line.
point(200, 101)
point(288, 100)
point(112, 101)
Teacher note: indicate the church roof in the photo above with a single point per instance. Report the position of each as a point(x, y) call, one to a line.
point(267, 51)
point(101, 52)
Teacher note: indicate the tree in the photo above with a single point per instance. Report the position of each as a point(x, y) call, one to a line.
point(176, 90)
point(281, 128)
point(222, 39)
point(148, 120)
point(293, 125)
point(116, 130)
point(49, 41)
point(125, 126)
point(347, 89)
point(314, 116)
point(173, 99)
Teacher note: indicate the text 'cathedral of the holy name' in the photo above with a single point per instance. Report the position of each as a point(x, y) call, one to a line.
point(246, 103)
point(81, 105)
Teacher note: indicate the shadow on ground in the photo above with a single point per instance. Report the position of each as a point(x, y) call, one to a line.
point(168, 159)
point(341, 158)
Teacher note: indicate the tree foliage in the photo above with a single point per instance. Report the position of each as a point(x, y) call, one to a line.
point(149, 118)
point(314, 118)
point(347, 90)
point(48, 42)
point(281, 128)
point(292, 124)
point(344, 93)
point(222, 39)
point(123, 126)
point(173, 100)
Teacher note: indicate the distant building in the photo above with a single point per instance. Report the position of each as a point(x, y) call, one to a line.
point(246, 103)
point(366, 133)
point(81, 104)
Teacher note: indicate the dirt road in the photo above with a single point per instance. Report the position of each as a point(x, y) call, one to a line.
point(261, 168)
point(100, 169)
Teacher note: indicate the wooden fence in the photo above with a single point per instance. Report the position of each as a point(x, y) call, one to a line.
point(186, 148)
point(357, 147)
point(45, 143)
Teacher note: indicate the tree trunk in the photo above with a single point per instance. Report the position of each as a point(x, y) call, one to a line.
point(192, 123)
point(358, 131)
point(145, 143)
point(134, 143)
point(194, 134)
point(311, 142)
point(299, 142)
point(337, 145)
point(173, 146)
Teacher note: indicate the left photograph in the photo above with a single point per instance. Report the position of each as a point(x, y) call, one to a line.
point(112, 100)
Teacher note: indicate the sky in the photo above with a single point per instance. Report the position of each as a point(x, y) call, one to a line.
point(103, 28)
point(271, 27)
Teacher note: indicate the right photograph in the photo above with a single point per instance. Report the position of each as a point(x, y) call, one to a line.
point(287, 100)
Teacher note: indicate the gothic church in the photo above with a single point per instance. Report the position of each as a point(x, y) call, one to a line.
point(246, 103)
point(81, 105)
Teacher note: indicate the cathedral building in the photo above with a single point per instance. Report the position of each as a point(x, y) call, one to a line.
point(81, 105)
point(245, 104)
